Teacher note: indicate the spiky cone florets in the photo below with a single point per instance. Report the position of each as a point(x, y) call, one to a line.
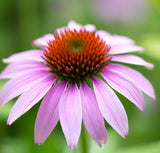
point(75, 55)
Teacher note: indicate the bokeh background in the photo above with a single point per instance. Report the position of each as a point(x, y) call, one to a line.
point(22, 21)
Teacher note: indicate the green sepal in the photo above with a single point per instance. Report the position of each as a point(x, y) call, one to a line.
point(100, 77)
point(89, 83)
point(78, 82)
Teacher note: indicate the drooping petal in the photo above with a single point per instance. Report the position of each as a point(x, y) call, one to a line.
point(124, 87)
point(70, 113)
point(43, 41)
point(111, 107)
point(121, 49)
point(132, 59)
point(29, 98)
point(31, 55)
point(16, 86)
point(133, 76)
point(92, 118)
point(48, 113)
point(17, 69)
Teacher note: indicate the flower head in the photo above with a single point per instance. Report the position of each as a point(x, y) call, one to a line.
point(75, 55)
point(75, 74)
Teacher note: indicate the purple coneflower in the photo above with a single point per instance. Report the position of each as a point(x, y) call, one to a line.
point(76, 74)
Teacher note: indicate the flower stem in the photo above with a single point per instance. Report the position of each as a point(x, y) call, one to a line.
point(84, 144)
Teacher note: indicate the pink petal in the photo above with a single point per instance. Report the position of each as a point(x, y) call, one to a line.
point(20, 68)
point(133, 76)
point(16, 86)
point(92, 118)
point(121, 49)
point(107, 37)
point(132, 59)
point(124, 87)
point(119, 40)
point(111, 107)
point(73, 25)
point(31, 55)
point(70, 113)
point(60, 30)
point(29, 98)
point(90, 27)
point(43, 41)
point(119, 44)
point(114, 40)
point(48, 116)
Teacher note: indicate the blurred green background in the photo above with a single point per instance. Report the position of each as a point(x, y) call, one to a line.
point(22, 21)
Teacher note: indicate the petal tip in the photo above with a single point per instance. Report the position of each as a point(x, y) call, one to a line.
point(38, 143)
point(34, 43)
point(10, 120)
point(149, 66)
point(9, 123)
point(153, 97)
point(72, 146)
point(141, 49)
point(125, 135)
point(141, 108)
point(125, 132)
point(38, 140)
point(102, 142)
point(5, 60)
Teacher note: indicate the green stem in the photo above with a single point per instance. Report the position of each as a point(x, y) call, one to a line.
point(84, 144)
